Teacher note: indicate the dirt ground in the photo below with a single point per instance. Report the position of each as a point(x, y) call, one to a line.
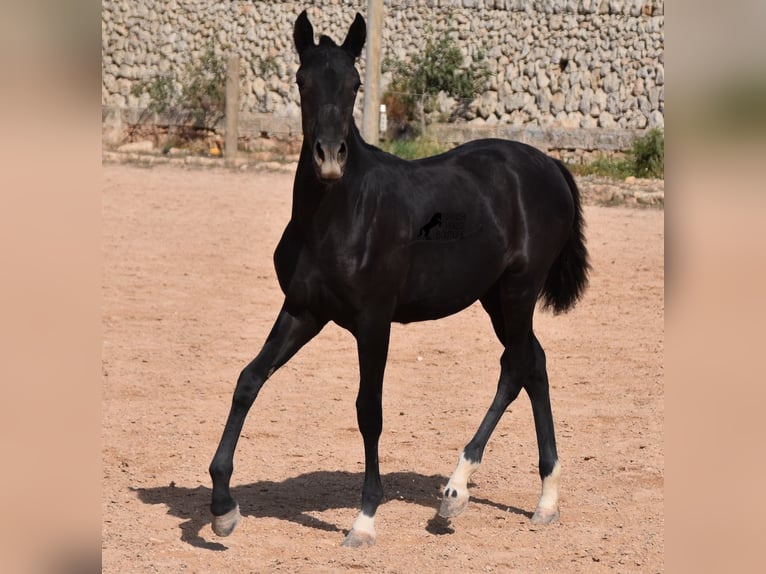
point(189, 295)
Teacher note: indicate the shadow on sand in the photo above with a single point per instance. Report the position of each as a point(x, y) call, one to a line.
point(293, 498)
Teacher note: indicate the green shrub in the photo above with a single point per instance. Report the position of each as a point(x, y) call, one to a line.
point(604, 166)
point(440, 67)
point(414, 149)
point(162, 93)
point(647, 155)
point(197, 95)
point(645, 158)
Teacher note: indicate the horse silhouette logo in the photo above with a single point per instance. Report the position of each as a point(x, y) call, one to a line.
point(436, 221)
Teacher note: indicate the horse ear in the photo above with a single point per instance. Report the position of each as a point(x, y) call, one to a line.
point(303, 33)
point(356, 36)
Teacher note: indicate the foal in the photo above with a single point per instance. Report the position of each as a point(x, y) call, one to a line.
point(354, 253)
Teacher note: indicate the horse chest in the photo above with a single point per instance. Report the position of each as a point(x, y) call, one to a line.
point(329, 274)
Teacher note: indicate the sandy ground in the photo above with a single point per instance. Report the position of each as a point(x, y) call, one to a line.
point(189, 294)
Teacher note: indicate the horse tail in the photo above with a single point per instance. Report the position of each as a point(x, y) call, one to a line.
point(568, 276)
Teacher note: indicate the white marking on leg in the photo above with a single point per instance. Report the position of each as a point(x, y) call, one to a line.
point(548, 508)
point(362, 533)
point(364, 523)
point(463, 472)
point(456, 495)
point(549, 499)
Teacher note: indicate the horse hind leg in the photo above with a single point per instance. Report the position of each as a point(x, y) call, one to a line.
point(456, 493)
point(522, 366)
point(512, 327)
point(537, 388)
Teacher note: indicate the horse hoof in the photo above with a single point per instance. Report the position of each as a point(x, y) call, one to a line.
point(224, 525)
point(358, 539)
point(453, 503)
point(545, 516)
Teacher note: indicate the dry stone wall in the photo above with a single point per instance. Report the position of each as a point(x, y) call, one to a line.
point(555, 64)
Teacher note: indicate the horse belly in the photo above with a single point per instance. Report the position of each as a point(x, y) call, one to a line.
point(447, 276)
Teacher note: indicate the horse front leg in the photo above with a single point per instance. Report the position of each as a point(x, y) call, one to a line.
point(372, 345)
point(289, 333)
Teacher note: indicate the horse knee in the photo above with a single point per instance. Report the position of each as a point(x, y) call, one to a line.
point(370, 423)
point(248, 386)
point(369, 409)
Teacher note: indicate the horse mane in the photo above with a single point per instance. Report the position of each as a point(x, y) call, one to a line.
point(326, 41)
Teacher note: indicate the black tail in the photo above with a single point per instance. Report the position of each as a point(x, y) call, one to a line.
point(568, 275)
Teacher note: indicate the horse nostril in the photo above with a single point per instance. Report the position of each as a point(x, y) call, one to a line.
point(319, 152)
point(342, 152)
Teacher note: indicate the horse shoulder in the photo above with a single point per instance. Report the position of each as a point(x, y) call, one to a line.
point(297, 272)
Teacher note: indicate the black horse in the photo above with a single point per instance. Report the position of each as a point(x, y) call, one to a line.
point(352, 254)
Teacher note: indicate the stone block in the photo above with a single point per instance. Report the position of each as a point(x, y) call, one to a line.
point(139, 146)
point(606, 120)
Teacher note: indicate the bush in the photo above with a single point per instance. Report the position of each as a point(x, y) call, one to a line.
point(645, 158)
point(198, 95)
point(647, 155)
point(604, 166)
point(440, 67)
point(414, 149)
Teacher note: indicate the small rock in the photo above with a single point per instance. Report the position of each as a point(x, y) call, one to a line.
point(444, 103)
point(656, 119)
point(141, 146)
point(487, 104)
point(650, 198)
point(606, 120)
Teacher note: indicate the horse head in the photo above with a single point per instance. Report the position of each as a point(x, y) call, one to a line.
point(328, 82)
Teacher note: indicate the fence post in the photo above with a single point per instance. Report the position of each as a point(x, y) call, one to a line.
point(371, 110)
point(232, 109)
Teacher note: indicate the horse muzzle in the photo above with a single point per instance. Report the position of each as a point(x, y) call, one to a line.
point(330, 158)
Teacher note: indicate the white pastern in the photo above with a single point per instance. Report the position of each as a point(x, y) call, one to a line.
point(364, 523)
point(463, 472)
point(548, 508)
point(455, 499)
point(549, 499)
point(362, 532)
